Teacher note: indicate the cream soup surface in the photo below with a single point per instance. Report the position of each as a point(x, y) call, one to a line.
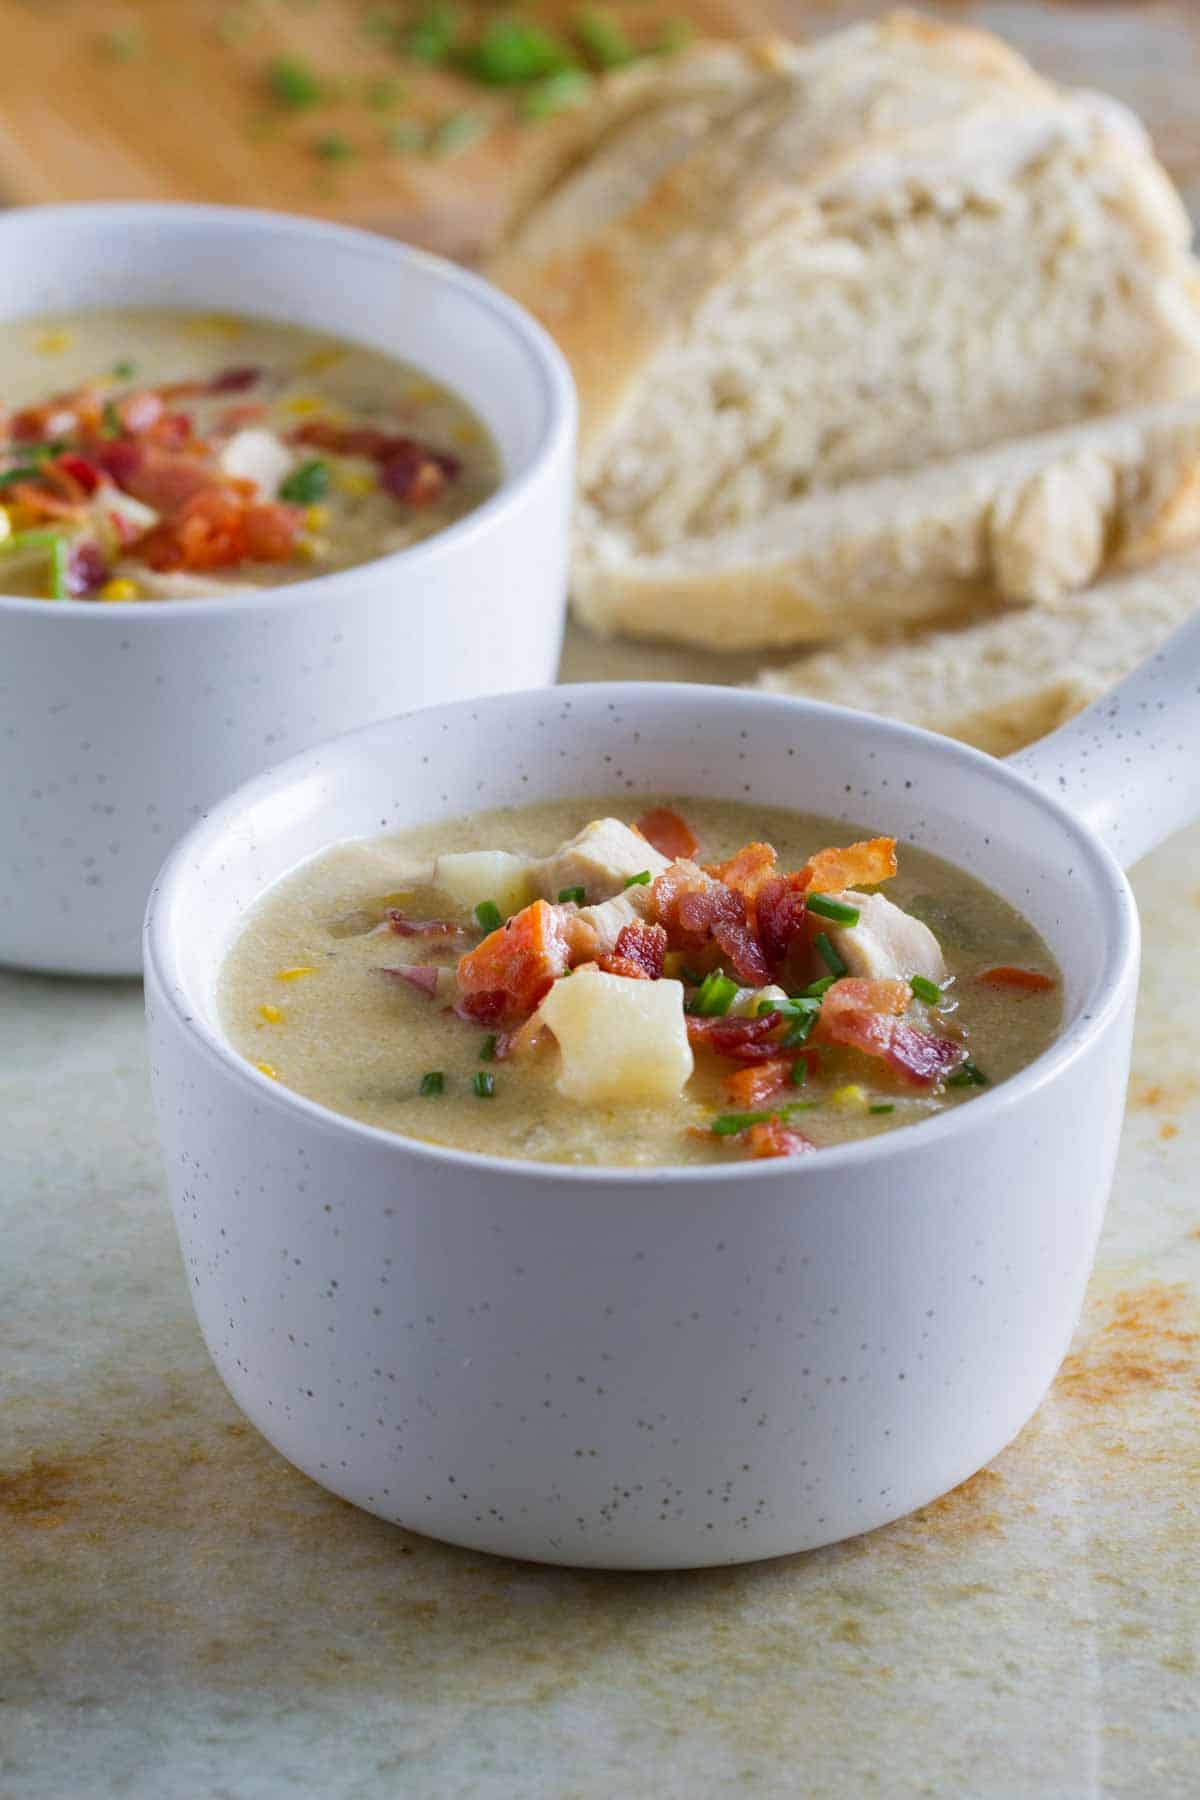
point(303, 997)
point(174, 454)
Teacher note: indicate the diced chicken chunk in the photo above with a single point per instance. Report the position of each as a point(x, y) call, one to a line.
point(887, 944)
point(600, 859)
point(621, 1040)
point(257, 455)
point(609, 919)
point(472, 876)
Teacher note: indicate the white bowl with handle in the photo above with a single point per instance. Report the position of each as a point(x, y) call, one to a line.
point(664, 1368)
point(118, 725)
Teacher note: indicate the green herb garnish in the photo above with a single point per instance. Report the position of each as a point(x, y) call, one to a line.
point(789, 1009)
point(926, 990)
point(715, 995)
point(968, 1074)
point(577, 894)
point(489, 915)
point(433, 1083)
point(308, 483)
point(457, 133)
point(513, 52)
point(484, 1085)
point(603, 39)
point(799, 1072)
point(729, 1124)
point(800, 1029)
point(294, 83)
point(815, 989)
point(837, 910)
point(555, 93)
point(882, 1108)
point(828, 955)
point(26, 472)
point(487, 1050)
point(641, 879)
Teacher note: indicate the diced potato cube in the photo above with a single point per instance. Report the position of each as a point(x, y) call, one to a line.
point(472, 876)
point(621, 1040)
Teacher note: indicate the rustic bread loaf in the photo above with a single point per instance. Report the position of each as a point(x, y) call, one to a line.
point(1002, 683)
point(1028, 522)
point(858, 257)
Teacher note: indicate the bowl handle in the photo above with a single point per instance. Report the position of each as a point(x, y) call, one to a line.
point(1129, 766)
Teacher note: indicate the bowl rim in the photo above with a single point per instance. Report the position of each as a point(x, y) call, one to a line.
point(547, 363)
point(1097, 1011)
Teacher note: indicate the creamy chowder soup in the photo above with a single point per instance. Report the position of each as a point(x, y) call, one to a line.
point(690, 982)
point(167, 455)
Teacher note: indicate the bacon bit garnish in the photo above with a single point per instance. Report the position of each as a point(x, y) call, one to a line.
point(422, 976)
point(87, 569)
point(406, 455)
point(409, 928)
point(159, 478)
point(689, 903)
point(234, 381)
point(249, 412)
point(742, 1040)
point(863, 1015)
point(1031, 980)
point(858, 865)
point(780, 910)
point(61, 416)
point(670, 835)
point(412, 476)
point(218, 528)
point(86, 476)
point(746, 872)
point(639, 953)
point(743, 952)
point(771, 1137)
point(503, 979)
point(751, 1087)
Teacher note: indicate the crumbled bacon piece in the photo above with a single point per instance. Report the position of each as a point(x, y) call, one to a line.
point(771, 1137)
point(234, 381)
point(422, 976)
point(858, 865)
point(639, 953)
point(780, 910)
point(504, 978)
point(218, 528)
point(84, 474)
point(751, 1087)
point(247, 412)
point(37, 499)
point(670, 835)
point(411, 475)
point(746, 872)
point(62, 416)
point(87, 569)
point(864, 1016)
point(743, 1040)
point(407, 467)
point(923, 1058)
point(435, 928)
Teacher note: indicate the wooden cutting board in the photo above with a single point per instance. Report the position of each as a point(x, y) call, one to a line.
point(168, 99)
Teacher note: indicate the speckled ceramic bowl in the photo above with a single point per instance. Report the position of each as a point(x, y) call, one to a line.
point(671, 1367)
point(120, 724)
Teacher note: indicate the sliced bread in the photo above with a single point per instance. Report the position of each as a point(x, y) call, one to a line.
point(885, 249)
point(1003, 683)
point(1029, 522)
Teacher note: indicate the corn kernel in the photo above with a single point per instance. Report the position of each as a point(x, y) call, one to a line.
point(301, 405)
point(268, 1069)
point(270, 1015)
point(328, 357)
point(53, 343)
point(120, 588)
point(357, 482)
point(316, 518)
point(467, 434)
point(851, 1097)
point(297, 973)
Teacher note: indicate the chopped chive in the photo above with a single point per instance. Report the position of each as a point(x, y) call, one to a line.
point(715, 995)
point(729, 1124)
point(457, 132)
point(815, 989)
point(26, 472)
point(799, 1030)
point(829, 955)
point(489, 915)
point(512, 52)
point(968, 1074)
point(788, 1009)
point(577, 894)
point(333, 147)
point(799, 1072)
point(603, 39)
point(293, 83)
point(124, 370)
point(484, 1085)
point(306, 484)
point(926, 990)
point(827, 908)
point(886, 1108)
point(641, 879)
point(487, 1050)
point(432, 1083)
point(59, 568)
point(555, 93)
